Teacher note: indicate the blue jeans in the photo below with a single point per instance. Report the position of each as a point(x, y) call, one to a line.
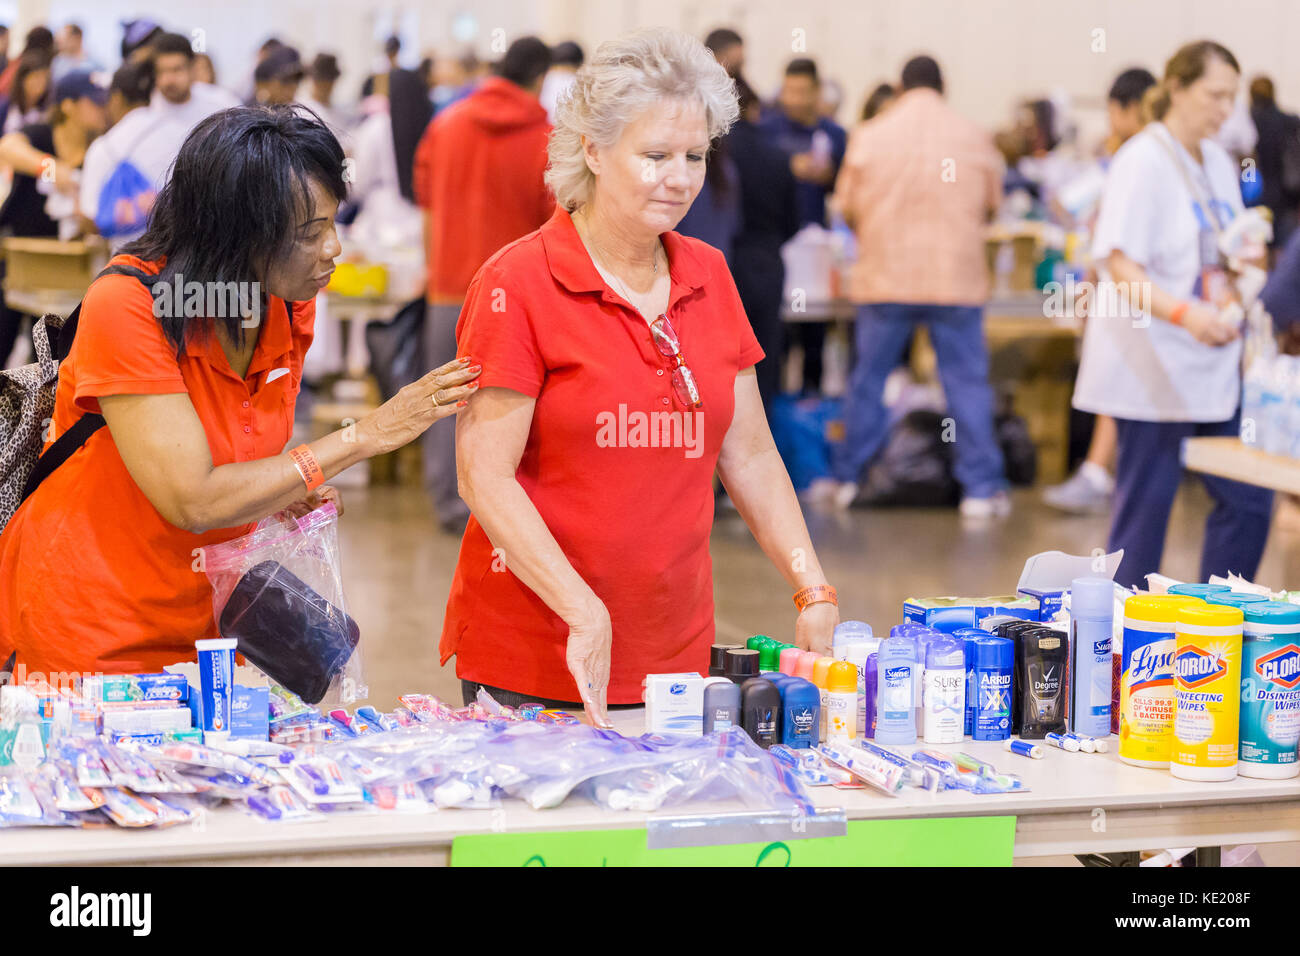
point(1148, 469)
point(883, 332)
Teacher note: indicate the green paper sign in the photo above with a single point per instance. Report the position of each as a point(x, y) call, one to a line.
point(941, 841)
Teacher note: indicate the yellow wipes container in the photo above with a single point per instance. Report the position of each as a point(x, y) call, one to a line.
point(1207, 693)
point(1146, 685)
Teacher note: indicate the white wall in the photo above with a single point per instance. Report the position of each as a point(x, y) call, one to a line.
point(994, 52)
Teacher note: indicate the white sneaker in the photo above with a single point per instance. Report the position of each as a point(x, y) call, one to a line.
point(1087, 492)
point(995, 506)
point(845, 495)
point(822, 491)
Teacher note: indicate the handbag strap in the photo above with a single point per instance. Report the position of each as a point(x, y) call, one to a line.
point(66, 444)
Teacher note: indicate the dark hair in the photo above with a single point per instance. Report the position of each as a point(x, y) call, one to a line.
point(235, 199)
point(1044, 114)
point(39, 38)
point(881, 95)
point(802, 66)
point(393, 45)
point(270, 44)
point(1130, 86)
point(526, 61)
point(721, 38)
point(325, 68)
point(73, 28)
point(32, 61)
point(134, 81)
point(922, 71)
point(409, 111)
point(745, 95)
point(567, 53)
point(1184, 68)
point(173, 43)
point(1262, 92)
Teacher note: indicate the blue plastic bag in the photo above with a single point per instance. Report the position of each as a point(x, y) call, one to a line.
point(803, 429)
point(124, 202)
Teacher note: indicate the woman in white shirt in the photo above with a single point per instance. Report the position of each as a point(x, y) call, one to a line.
point(1162, 360)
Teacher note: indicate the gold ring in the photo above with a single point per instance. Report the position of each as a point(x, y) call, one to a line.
point(434, 396)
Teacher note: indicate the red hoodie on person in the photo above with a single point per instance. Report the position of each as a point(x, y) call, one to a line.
point(478, 174)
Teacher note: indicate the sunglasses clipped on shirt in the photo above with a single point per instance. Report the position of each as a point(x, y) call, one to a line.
point(665, 338)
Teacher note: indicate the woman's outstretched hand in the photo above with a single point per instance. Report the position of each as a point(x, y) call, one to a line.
point(406, 415)
point(590, 639)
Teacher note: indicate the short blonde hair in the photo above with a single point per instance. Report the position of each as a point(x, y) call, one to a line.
point(626, 77)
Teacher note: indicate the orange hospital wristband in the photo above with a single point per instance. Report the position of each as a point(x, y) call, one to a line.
point(813, 594)
point(1177, 312)
point(307, 466)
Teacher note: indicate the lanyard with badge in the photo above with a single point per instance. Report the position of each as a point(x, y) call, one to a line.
point(1213, 284)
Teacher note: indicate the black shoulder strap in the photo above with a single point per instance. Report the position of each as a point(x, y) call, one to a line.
point(87, 424)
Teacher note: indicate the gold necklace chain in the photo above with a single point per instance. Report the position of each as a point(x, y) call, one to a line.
point(623, 290)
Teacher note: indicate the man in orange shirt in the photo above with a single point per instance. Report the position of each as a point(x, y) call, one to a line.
point(478, 180)
point(918, 185)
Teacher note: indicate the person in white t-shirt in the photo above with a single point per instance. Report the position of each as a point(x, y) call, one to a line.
point(178, 99)
point(128, 140)
point(1158, 355)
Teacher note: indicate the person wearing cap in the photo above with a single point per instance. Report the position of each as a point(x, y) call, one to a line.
point(78, 116)
point(618, 378)
point(324, 73)
point(277, 78)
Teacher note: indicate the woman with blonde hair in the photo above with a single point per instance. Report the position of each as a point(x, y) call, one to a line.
point(618, 377)
point(1163, 361)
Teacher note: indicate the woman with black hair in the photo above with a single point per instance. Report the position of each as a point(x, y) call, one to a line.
point(385, 151)
point(195, 368)
point(29, 95)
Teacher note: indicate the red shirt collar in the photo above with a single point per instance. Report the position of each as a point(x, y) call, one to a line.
point(572, 267)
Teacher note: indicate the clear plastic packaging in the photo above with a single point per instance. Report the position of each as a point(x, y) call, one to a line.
point(27, 800)
point(279, 591)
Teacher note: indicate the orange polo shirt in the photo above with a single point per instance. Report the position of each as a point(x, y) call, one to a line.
point(625, 489)
point(92, 577)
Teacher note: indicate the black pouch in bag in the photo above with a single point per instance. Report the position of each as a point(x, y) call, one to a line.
point(278, 591)
point(287, 630)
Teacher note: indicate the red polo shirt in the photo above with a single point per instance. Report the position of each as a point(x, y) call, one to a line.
point(620, 472)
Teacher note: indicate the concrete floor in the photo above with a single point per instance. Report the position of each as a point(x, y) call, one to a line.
point(398, 568)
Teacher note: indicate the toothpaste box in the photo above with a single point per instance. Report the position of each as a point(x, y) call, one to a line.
point(191, 736)
point(674, 704)
point(147, 720)
point(949, 613)
point(250, 712)
point(123, 688)
point(1049, 600)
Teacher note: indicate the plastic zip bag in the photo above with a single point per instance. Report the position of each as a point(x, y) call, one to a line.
point(278, 590)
